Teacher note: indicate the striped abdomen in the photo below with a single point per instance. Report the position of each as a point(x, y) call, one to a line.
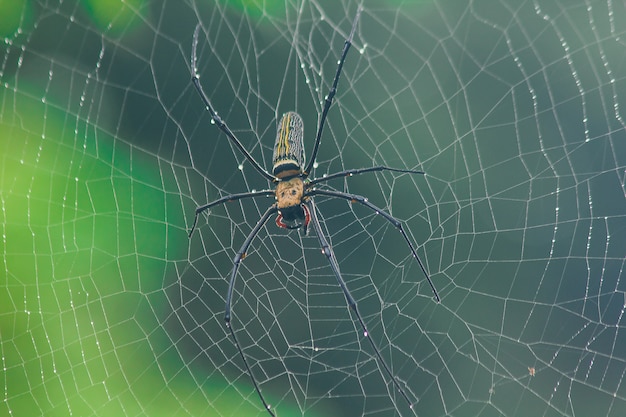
point(288, 157)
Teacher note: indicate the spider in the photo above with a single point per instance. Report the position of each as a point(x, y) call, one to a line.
point(294, 192)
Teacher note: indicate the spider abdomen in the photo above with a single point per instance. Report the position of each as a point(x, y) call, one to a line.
point(288, 158)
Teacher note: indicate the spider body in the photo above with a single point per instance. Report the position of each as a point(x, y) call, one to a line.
point(288, 161)
point(294, 205)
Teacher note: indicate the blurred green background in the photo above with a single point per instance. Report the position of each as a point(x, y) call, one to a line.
point(513, 109)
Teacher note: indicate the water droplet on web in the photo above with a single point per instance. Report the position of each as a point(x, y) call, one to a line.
point(315, 165)
point(240, 167)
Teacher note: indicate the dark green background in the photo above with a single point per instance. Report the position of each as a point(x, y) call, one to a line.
point(513, 109)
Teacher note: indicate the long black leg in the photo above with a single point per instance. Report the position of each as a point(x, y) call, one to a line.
point(327, 250)
point(227, 199)
point(398, 225)
point(331, 94)
point(195, 78)
point(227, 312)
point(351, 172)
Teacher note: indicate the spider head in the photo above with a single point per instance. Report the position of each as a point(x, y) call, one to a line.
point(292, 214)
point(294, 217)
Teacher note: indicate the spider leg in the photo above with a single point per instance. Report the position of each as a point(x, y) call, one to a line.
point(227, 312)
point(195, 78)
point(397, 224)
point(331, 94)
point(351, 172)
point(327, 250)
point(227, 199)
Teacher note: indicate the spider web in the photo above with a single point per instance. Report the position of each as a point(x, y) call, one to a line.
point(513, 109)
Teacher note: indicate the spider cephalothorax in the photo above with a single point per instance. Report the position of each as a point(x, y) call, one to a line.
point(292, 213)
point(294, 203)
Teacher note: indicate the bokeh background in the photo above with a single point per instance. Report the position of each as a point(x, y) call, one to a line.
point(514, 109)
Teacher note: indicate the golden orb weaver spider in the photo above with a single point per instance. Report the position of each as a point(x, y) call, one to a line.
point(294, 204)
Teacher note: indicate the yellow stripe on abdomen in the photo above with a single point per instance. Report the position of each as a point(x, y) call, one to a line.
point(288, 156)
